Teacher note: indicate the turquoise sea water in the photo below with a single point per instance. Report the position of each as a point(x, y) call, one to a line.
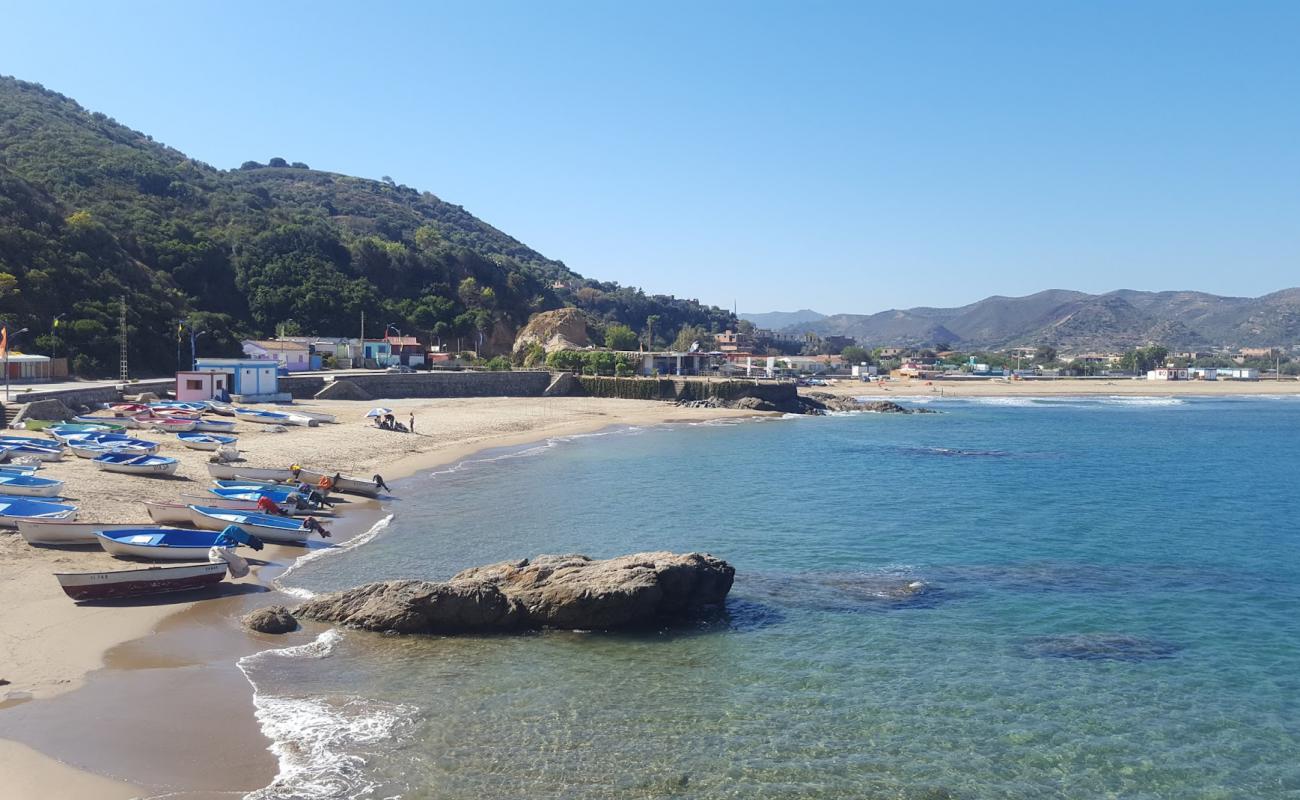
point(1112, 610)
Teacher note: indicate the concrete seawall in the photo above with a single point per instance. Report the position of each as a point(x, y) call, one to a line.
point(448, 384)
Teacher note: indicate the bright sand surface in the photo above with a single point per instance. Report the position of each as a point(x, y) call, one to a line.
point(1047, 387)
point(48, 644)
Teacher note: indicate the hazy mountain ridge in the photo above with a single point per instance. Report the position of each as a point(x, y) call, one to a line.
point(1076, 321)
point(777, 320)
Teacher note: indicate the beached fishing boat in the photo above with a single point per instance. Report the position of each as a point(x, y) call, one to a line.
point(46, 451)
point(223, 409)
point(66, 532)
point(289, 509)
point(316, 415)
point(82, 586)
point(169, 406)
point(113, 440)
point(272, 417)
point(71, 429)
point(29, 486)
point(344, 483)
point(13, 509)
point(34, 441)
point(280, 495)
point(168, 513)
point(128, 408)
point(172, 424)
point(18, 469)
point(88, 449)
point(122, 421)
point(170, 544)
point(263, 526)
point(214, 426)
point(205, 441)
point(132, 464)
point(232, 471)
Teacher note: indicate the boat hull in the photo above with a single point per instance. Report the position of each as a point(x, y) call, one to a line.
point(121, 549)
point(169, 513)
point(344, 484)
point(214, 426)
point(59, 532)
point(232, 472)
point(46, 488)
point(266, 533)
point(83, 586)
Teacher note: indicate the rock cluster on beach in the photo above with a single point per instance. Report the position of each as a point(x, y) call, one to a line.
point(570, 592)
point(272, 619)
point(822, 402)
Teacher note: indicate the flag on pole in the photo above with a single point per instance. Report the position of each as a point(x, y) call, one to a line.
point(180, 326)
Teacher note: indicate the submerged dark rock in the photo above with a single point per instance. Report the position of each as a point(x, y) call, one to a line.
point(824, 402)
point(272, 619)
point(1098, 647)
point(850, 592)
point(572, 592)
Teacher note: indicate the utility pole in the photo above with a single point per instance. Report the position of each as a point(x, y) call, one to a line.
point(121, 335)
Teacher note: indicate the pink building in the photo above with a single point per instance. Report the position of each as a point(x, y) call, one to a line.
point(202, 385)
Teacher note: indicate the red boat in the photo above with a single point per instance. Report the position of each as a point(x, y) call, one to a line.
point(135, 582)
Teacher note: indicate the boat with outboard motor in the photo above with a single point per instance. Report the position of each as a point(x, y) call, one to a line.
point(172, 544)
point(264, 526)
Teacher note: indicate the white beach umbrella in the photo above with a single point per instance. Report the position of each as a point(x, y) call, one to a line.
point(378, 412)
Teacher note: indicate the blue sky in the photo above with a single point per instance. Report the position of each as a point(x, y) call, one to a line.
point(847, 157)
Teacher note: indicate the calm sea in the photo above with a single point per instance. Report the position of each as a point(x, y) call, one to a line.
point(1113, 610)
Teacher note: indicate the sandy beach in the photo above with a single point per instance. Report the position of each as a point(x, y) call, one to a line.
point(50, 645)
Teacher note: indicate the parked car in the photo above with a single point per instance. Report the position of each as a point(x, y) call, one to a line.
point(400, 369)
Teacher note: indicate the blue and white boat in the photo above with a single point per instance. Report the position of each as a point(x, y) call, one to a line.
point(205, 441)
point(132, 464)
point(214, 426)
point(89, 449)
point(279, 494)
point(170, 544)
point(18, 469)
point(39, 449)
point(29, 486)
point(13, 509)
point(263, 526)
point(123, 421)
point(72, 429)
point(178, 405)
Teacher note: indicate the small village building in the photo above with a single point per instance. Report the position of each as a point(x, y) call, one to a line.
point(670, 362)
point(377, 351)
point(28, 368)
point(732, 341)
point(292, 355)
point(1203, 373)
point(202, 385)
point(1167, 374)
point(864, 372)
point(1239, 374)
point(406, 350)
point(252, 380)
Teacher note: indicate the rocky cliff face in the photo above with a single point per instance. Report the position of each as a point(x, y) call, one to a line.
point(561, 329)
point(573, 592)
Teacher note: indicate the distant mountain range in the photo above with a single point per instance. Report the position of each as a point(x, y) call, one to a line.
point(1069, 321)
point(778, 320)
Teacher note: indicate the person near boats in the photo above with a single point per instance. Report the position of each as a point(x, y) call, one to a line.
point(268, 506)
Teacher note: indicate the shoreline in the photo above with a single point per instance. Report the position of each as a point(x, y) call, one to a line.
point(1047, 387)
point(116, 642)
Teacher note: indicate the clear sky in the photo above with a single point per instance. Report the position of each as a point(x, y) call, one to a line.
point(847, 157)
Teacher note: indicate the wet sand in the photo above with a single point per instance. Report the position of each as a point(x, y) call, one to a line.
point(161, 706)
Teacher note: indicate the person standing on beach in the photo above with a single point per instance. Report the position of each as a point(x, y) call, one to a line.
point(412, 425)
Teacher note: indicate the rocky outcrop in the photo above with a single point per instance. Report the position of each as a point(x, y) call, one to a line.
point(822, 402)
point(561, 329)
point(571, 592)
point(272, 619)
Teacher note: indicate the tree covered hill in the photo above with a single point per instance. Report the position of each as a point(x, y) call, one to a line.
point(91, 210)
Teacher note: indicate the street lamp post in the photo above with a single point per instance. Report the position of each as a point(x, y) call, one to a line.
point(8, 347)
point(194, 338)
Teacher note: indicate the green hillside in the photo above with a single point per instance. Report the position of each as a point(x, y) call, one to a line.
point(91, 210)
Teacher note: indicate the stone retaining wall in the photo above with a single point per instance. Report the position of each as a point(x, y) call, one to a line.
point(450, 384)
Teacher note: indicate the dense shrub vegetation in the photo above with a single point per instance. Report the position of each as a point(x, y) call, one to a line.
point(91, 210)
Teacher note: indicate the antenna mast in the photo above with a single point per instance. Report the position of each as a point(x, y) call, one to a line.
point(121, 338)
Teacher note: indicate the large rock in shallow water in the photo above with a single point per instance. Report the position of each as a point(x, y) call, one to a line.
point(272, 619)
point(572, 592)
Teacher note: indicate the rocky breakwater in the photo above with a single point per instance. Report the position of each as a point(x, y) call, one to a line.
point(823, 402)
point(570, 592)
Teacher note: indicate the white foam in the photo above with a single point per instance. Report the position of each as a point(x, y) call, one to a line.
point(1141, 400)
point(315, 739)
point(350, 544)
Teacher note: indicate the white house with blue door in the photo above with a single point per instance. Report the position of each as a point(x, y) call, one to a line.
point(252, 380)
